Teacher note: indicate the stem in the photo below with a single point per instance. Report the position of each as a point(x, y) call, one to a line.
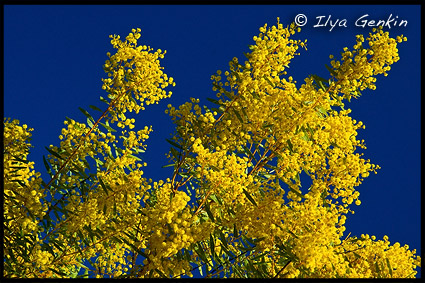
point(282, 268)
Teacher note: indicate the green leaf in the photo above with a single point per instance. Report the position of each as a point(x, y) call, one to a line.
point(249, 197)
point(297, 178)
point(90, 231)
point(116, 239)
point(57, 215)
point(223, 238)
point(245, 247)
point(253, 242)
point(175, 153)
point(134, 157)
point(135, 249)
point(296, 192)
point(239, 272)
point(255, 95)
point(89, 123)
point(378, 271)
point(168, 165)
point(212, 245)
point(332, 71)
point(216, 110)
point(217, 85)
point(58, 272)
point(86, 113)
point(244, 113)
point(86, 274)
point(214, 168)
point(267, 79)
point(322, 111)
point(12, 256)
point(54, 153)
point(160, 273)
point(118, 150)
point(267, 126)
point(305, 137)
point(238, 116)
point(214, 101)
point(82, 237)
point(104, 187)
point(227, 251)
point(248, 152)
point(235, 232)
point(133, 100)
point(216, 199)
point(104, 100)
point(320, 81)
point(322, 86)
point(69, 120)
point(200, 251)
point(20, 183)
point(228, 94)
point(46, 164)
point(230, 211)
point(187, 255)
point(264, 175)
point(292, 233)
point(47, 247)
point(310, 130)
point(290, 146)
point(81, 170)
point(106, 126)
point(237, 76)
point(260, 256)
point(389, 267)
point(19, 159)
point(95, 108)
point(208, 210)
point(174, 144)
point(86, 164)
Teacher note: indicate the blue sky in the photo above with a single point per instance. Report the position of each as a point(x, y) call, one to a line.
point(53, 57)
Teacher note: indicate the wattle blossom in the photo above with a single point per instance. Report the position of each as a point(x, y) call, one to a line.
point(234, 206)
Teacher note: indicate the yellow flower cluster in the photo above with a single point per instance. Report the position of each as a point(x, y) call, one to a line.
point(317, 232)
point(22, 186)
point(24, 207)
point(105, 204)
point(223, 175)
point(365, 258)
point(265, 133)
point(134, 75)
point(174, 229)
point(358, 67)
point(235, 205)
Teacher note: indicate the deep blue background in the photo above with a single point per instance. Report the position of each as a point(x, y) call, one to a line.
point(53, 59)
